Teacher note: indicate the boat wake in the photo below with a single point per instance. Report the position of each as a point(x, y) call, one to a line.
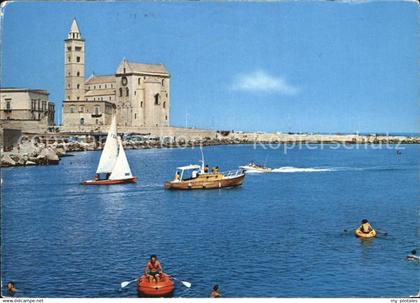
point(251, 171)
point(291, 169)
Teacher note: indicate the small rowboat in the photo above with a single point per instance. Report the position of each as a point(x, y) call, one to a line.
point(363, 235)
point(164, 288)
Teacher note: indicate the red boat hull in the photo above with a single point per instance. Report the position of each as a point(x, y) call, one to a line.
point(164, 288)
point(109, 182)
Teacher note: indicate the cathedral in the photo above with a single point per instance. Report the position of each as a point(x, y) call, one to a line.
point(137, 93)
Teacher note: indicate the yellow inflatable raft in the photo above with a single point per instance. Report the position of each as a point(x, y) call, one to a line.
point(368, 235)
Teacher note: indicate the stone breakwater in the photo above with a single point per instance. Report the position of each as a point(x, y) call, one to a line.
point(44, 150)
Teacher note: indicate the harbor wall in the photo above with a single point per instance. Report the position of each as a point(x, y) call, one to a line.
point(47, 148)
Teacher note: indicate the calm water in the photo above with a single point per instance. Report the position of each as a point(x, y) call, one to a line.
point(279, 235)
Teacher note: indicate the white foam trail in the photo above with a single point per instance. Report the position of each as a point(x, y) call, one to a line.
point(291, 169)
point(251, 171)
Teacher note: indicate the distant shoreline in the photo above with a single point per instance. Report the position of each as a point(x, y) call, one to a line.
point(47, 149)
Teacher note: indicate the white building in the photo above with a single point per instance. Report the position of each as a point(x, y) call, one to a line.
point(26, 109)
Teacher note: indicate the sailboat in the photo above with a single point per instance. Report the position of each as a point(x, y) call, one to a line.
point(113, 162)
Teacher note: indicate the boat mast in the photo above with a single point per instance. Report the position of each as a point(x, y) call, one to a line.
point(202, 158)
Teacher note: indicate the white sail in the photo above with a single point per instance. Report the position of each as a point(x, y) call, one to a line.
point(110, 151)
point(121, 169)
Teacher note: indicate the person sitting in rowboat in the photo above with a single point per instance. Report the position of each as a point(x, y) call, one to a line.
point(153, 269)
point(206, 169)
point(365, 227)
point(177, 176)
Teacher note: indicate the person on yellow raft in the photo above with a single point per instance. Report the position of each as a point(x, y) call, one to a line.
point(365, 230)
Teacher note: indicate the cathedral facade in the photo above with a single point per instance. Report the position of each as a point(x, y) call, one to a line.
point(137, 93)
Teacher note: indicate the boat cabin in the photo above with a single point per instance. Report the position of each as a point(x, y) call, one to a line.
point(188, 172)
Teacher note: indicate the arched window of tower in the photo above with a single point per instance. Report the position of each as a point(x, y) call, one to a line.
point(126, 91)
point(120, 92)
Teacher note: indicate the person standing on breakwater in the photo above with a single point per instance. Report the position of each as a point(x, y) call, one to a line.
point(215, 293)
point(153, 269)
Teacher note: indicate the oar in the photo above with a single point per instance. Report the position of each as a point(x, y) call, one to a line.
point(381, 232)
point(185, 283)
point(349, 230)
point(126, 283)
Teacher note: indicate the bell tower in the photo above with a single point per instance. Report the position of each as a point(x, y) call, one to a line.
point(74, 65)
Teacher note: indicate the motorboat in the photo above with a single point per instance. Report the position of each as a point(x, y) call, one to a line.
point(254, 167)
point(200, 177)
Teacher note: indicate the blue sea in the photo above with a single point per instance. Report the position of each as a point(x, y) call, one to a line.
point(278, 235)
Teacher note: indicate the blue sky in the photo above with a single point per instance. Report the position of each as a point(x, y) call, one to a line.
point(274, 66)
